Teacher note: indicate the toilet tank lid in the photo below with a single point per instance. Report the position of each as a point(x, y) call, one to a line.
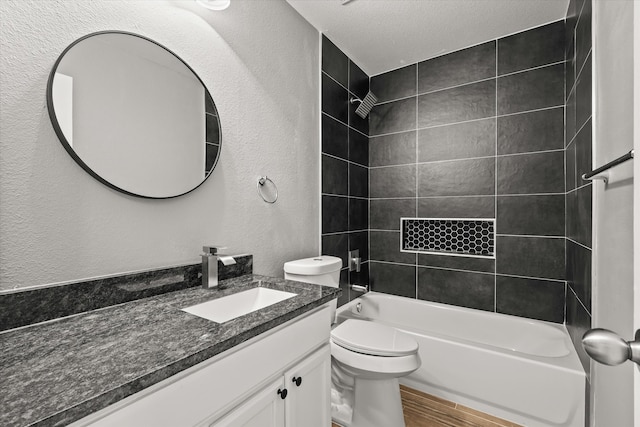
point(313, 266)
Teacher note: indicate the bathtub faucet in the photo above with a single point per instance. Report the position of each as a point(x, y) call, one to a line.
point(360, 288)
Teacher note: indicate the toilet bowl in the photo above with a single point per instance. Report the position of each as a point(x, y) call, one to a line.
point(366, 358)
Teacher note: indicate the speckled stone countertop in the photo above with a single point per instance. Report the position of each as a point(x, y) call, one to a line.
point(57, 372)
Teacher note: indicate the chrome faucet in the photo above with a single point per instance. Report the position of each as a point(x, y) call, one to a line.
point(210, 259)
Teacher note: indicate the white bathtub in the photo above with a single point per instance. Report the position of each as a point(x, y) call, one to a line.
point(522, 370)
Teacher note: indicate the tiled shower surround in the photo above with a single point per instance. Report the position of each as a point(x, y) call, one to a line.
point(478, 133)
point(578, 161)
point(345, 160)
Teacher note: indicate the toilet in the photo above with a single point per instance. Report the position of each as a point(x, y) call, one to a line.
point(367, 358)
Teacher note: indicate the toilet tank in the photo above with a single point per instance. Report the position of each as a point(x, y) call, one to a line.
point(321, 270)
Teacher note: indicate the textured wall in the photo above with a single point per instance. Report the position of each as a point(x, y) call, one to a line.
point(59, 224)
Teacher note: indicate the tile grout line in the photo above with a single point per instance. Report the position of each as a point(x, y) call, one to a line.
point(495, 202)
point(344, 160)
point(345, 124)
point(348, 174)
point(496, 116)
point(547, 279)
point(417, 116)
point(578, 299)
point(558, 150)
point(495, 77)
point(465, 195)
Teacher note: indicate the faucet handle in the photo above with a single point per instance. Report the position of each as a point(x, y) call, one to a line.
point(212, 250)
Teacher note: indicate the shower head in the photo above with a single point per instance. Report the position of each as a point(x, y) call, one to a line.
point(366, 104)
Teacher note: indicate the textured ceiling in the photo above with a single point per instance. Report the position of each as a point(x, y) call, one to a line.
point(380, 35)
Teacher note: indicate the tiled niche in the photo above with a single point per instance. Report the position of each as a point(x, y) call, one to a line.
point(345, 161)
point(478, 133)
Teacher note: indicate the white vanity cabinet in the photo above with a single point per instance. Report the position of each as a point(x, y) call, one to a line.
point(300, 398)
point(239, 387)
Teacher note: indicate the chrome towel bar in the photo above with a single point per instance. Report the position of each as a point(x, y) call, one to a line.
point(592, 175)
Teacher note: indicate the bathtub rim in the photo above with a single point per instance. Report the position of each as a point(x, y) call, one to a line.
point(570, 361)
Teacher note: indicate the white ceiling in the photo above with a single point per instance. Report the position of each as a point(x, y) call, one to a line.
point(381, 35)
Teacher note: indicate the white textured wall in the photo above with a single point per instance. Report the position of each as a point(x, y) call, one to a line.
point(259, 59)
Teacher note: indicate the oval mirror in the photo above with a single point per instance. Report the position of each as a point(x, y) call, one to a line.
point(134, 115)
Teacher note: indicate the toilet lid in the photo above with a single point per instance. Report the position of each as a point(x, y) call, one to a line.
point(373, 338)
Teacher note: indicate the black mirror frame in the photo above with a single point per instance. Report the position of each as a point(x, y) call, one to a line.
point(72, 153)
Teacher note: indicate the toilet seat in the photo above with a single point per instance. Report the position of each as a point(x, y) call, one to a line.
point(373, 339)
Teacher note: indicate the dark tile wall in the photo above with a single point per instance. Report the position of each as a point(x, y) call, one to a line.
point(345, 165)
point(578, 155)
point(478, 133)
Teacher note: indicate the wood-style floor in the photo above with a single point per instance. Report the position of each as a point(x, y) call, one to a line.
point(424, 410)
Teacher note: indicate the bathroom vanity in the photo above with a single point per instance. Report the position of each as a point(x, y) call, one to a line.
point(148, 362)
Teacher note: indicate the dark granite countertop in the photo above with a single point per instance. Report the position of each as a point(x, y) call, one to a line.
point(57, 372)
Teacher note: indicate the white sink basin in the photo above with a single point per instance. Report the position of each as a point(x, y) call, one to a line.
point(226, 308)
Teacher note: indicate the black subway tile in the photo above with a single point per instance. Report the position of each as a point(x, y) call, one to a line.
point(533, 48)
point(541, 257)
point(570, 167)
point(583, 153)
point(337, 245)
point(463, 103)
point(531, 90)
point(393, 279)
point(385, 214)
point(358, 148)
point(578, 323)
point(334, 137)
point(396, 116)
point(335, 214)
point(360, 241)
point(334, 175)
point(358, 214)
point(535, 299)
point(531, 173)
point(531, 215)
point(395, 84)
point(570, 118)
point(583, 35)
point(358, 80)
point(579, 272)
point(533, 131)
point(358, 181)
point(334, 99)
point(457, 68)
point(583, 95)
point(457, 207)
point(335, 62)
point(393, 181)
point(385, 246)
point(458, 262)
point(464, 289)
point(458, 141)
point(394, 149)
point(457, 178)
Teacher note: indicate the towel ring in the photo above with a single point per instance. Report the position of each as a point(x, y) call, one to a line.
point(261, 182)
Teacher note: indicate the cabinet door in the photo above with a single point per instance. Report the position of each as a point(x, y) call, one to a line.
point(264, 409)
point(309, 403)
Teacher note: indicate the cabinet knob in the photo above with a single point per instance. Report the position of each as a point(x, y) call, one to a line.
point(282, 393)
point(297, 381)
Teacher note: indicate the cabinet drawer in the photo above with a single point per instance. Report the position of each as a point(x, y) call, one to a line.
point(214, 386)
